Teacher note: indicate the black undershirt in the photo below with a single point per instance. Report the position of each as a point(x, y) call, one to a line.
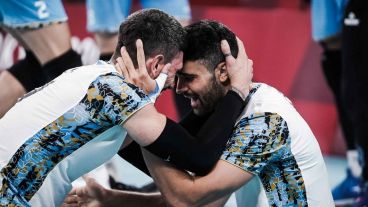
point(196, 143)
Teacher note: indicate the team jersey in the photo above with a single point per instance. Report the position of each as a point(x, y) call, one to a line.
point(31, 14)
point(119, 11)
point(272, 141)
point(61, 131)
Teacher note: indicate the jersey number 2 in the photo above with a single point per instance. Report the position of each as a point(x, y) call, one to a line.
point(42, 9)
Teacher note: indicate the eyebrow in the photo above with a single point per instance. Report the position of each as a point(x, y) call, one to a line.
point(186, 75)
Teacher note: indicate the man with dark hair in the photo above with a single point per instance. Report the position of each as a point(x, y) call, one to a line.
point(157, 38)
point(78, 121)
point(270, 139)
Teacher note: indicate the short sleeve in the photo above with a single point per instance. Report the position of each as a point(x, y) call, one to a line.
point(113, 100)
point(257, 140)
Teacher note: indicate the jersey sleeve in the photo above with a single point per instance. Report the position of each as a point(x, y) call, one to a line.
point(115, 100)
point(257, 140)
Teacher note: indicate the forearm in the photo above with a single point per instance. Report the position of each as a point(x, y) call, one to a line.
point(200, 153)
point(126, 198)
point(181, 189)
point(220, 202)
point(133, 154)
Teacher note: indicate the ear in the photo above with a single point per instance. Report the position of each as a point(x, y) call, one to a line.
point(155, 65)
point(221, 73)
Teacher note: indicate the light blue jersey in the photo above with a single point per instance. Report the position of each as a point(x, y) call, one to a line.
point(31, 13)
point(107, 15)
point(327, 17)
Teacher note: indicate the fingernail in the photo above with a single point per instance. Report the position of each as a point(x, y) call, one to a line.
point(223, 42)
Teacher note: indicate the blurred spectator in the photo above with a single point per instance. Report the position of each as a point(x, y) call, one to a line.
point(355, 77)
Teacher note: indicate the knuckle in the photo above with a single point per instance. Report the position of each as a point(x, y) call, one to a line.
point(141, 76)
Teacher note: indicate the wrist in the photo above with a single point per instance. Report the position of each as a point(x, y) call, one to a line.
point(151, 87)
point(159, 85)
point(243, 93)
point(111, 197)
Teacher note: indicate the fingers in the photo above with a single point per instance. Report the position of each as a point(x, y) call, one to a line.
point(166, 68)
point(120, 67)
point(91, 182)
point(70, 205)
point(128, 63)
point(71, 199)
point(140, 56)
point(241, 49)
point(225, 48)
point(94, 189)
point(73, 192)
point(250, 65)
point(139, 77)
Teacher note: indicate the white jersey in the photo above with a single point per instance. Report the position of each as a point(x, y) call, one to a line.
point(272, 141)
point(61, 131)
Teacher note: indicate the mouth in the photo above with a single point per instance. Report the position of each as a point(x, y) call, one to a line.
point(195, 102)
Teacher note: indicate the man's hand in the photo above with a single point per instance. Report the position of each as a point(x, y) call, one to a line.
point(240, 70)
point(139, 77)
point(92, 195)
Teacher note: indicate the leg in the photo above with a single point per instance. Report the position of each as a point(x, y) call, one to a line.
point(106, 42)
point(47, 42)
point(42, 29)
point(332, 67)
point(355, 75)
point(11, 90)
point(105, 30)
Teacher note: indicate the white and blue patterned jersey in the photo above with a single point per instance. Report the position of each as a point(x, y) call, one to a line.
point(272, 141)
point(61, 131)
point(31, 14)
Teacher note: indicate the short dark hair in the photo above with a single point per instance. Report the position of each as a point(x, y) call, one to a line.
point(203, 43)
point(160, 33)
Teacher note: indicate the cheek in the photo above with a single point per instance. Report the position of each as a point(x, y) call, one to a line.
point(197, 89)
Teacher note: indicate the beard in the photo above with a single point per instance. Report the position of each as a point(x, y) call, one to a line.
point(214, 92)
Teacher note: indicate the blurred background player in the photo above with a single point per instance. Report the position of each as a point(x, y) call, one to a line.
point(41, 28)
point(327, 23)
point(354, 83)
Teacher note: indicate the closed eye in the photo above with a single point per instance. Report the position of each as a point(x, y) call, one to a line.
point(185, 77)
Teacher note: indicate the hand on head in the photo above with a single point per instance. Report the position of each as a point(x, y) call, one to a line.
point(139, 77)
point(240, 70)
